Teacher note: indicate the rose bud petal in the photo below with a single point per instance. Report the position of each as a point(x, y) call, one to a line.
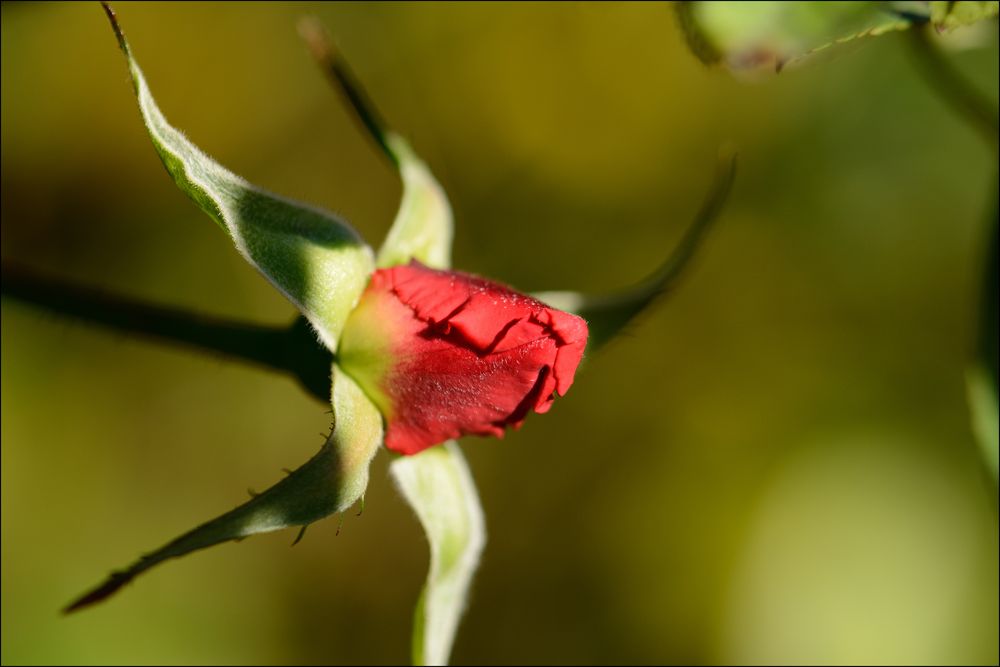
point(445, 354)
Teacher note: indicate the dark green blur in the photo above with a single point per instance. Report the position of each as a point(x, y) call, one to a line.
point(774, 465)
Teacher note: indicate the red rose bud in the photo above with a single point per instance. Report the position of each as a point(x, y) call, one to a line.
point(445, 354)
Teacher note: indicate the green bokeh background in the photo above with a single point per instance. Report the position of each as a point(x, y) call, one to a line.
point(774, 465)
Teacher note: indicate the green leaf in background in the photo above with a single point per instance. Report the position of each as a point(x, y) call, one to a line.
point(950, 15)
point(331, 481)
point(982, 392)
point(608, 314)
point(423, 227)
point(439, 488)
point(318, 261)
point(749, 35)
point(981, 378)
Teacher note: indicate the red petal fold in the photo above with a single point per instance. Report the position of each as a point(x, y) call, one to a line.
point(465, 356)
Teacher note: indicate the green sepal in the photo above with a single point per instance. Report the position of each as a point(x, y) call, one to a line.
point(315, 259)
point(331, 481)
point(423, 227)
point(438, 486)
point(608, 314)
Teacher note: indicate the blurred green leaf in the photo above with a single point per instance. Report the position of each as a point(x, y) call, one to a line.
point(747, 35)
point(950, 15)
point(981, 378)
point(331, 481)
point(982, 390)
point(439, 488)
point(952, 87)
point(318, 261)
point(608, 314)
point(989, 324)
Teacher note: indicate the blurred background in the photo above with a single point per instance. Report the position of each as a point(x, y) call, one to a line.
point(774, 465)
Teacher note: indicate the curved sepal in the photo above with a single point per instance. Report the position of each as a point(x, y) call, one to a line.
point(437, 485)
point(318, 261)
point(331, 481)
point(608, 314)
point(423, 227)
